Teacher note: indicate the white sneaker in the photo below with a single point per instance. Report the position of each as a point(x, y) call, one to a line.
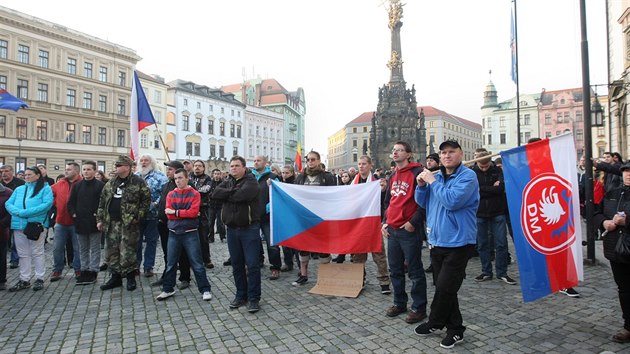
point(165, 295)
point(207, 296)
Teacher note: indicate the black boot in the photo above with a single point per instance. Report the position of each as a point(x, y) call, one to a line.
point(131, 281)
point(114, 282)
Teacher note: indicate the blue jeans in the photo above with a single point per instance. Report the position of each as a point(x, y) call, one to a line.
point(148, 231)
point(190, 243)
point(487, 228)
point(62, 234)
point(273, 252)
point(244, 246)
point(402, 246)
point(14, 255)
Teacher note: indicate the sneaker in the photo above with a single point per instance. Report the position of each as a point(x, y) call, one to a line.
point(21, 285)
point(3, 286)
point(39, 285)
point(424, 329)
point(103, 267)
point(385, 289)
point(451, 339)
point(227, 263)
point(148, 273)
point(183, 285)
point(339, 259)
point(165, 295)
point(429, 269)
point(209, 265)
point(301, 280)
point(395, 311)
point(236, 303)
point(415, 316)
point(207, 296)
point(77, 274)
point(483, 277)
point(622, 336)
point(13, 265)
point(508, 280)
point(570, 292)
point(55, 276)
point(85, 278)
point(253, 306)
point(275, 274)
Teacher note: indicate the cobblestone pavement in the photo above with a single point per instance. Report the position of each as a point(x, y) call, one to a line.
point(83, 319)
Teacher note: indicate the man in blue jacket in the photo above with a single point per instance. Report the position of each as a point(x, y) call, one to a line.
point(451, 199)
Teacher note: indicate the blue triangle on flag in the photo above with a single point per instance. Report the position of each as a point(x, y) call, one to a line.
point(290, 217)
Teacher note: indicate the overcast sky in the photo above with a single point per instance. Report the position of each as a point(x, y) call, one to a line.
point(337, 49)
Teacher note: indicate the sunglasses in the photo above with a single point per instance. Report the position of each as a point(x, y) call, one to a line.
point(311, 159)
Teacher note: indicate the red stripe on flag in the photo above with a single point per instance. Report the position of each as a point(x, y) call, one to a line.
point(560, 266)
point(340, 236)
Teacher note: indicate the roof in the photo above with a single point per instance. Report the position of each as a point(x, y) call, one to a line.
point(429, 111)
point(151, 78)
point(203, 90)
point(273, 99)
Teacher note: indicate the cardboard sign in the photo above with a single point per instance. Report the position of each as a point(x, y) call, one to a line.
point(339, 279)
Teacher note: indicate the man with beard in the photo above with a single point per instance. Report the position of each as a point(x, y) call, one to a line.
point(124, 204)
point(155, 180)
point(202, 183)
point(401, 226)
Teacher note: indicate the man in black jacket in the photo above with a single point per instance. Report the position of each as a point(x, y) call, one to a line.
point(214, 208)
point(82, 205)
point(203, 183)
point(241, 215)
point(491, 220)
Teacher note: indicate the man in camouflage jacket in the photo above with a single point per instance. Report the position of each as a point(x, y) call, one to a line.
point(124, 204)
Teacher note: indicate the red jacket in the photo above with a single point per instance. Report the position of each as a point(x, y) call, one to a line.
point(61, 192)
point(401, 204)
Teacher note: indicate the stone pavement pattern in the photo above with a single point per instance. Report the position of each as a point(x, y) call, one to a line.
point(83, 319)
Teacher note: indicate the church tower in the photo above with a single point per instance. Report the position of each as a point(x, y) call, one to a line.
point(396, 116)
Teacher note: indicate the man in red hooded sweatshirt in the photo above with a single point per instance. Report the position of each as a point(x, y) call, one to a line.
point(401, 227)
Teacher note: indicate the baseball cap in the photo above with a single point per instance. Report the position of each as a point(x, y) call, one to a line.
point(174, 164)
point(624, 167)
point(450, 142)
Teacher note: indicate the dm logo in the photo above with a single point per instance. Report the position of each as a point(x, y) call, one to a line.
point(547, 214)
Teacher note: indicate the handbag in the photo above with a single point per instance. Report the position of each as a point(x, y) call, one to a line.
point(33, 230)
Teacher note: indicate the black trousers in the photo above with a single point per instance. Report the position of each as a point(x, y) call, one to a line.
point(183, 264)
point(449, 271)
point(204, 231)
point(621, 274)
point(4, 237)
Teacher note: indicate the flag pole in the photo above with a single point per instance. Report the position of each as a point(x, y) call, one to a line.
point(168, 158)
point(515, 78)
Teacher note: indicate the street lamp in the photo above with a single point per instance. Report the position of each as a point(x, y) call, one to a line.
point(597, 114)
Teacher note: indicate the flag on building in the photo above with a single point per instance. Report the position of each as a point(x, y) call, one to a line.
point(331, 219)
point(513, 46)
point(8, 101)
point(298, 159)
point(543, 199)
point(141, 115)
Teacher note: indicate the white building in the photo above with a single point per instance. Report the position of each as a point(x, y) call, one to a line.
point(203, 123)
point(155, 90)
point(264, 130)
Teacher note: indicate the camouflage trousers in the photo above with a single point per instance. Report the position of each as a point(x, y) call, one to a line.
point(380, 259)
point(121, 246)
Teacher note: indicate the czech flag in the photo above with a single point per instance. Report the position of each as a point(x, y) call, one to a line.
point(141, 115)
point(543, 199)
point(8, 101)
point(330, 219)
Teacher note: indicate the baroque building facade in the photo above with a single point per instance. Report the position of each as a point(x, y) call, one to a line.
point(203, 123)
point(352, 141)
point(78, 89)
point(264, 131)
point(271, 95)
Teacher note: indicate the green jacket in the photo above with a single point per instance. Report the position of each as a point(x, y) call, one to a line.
point(134, 206)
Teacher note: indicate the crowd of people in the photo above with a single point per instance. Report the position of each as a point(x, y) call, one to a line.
point(456, 211)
